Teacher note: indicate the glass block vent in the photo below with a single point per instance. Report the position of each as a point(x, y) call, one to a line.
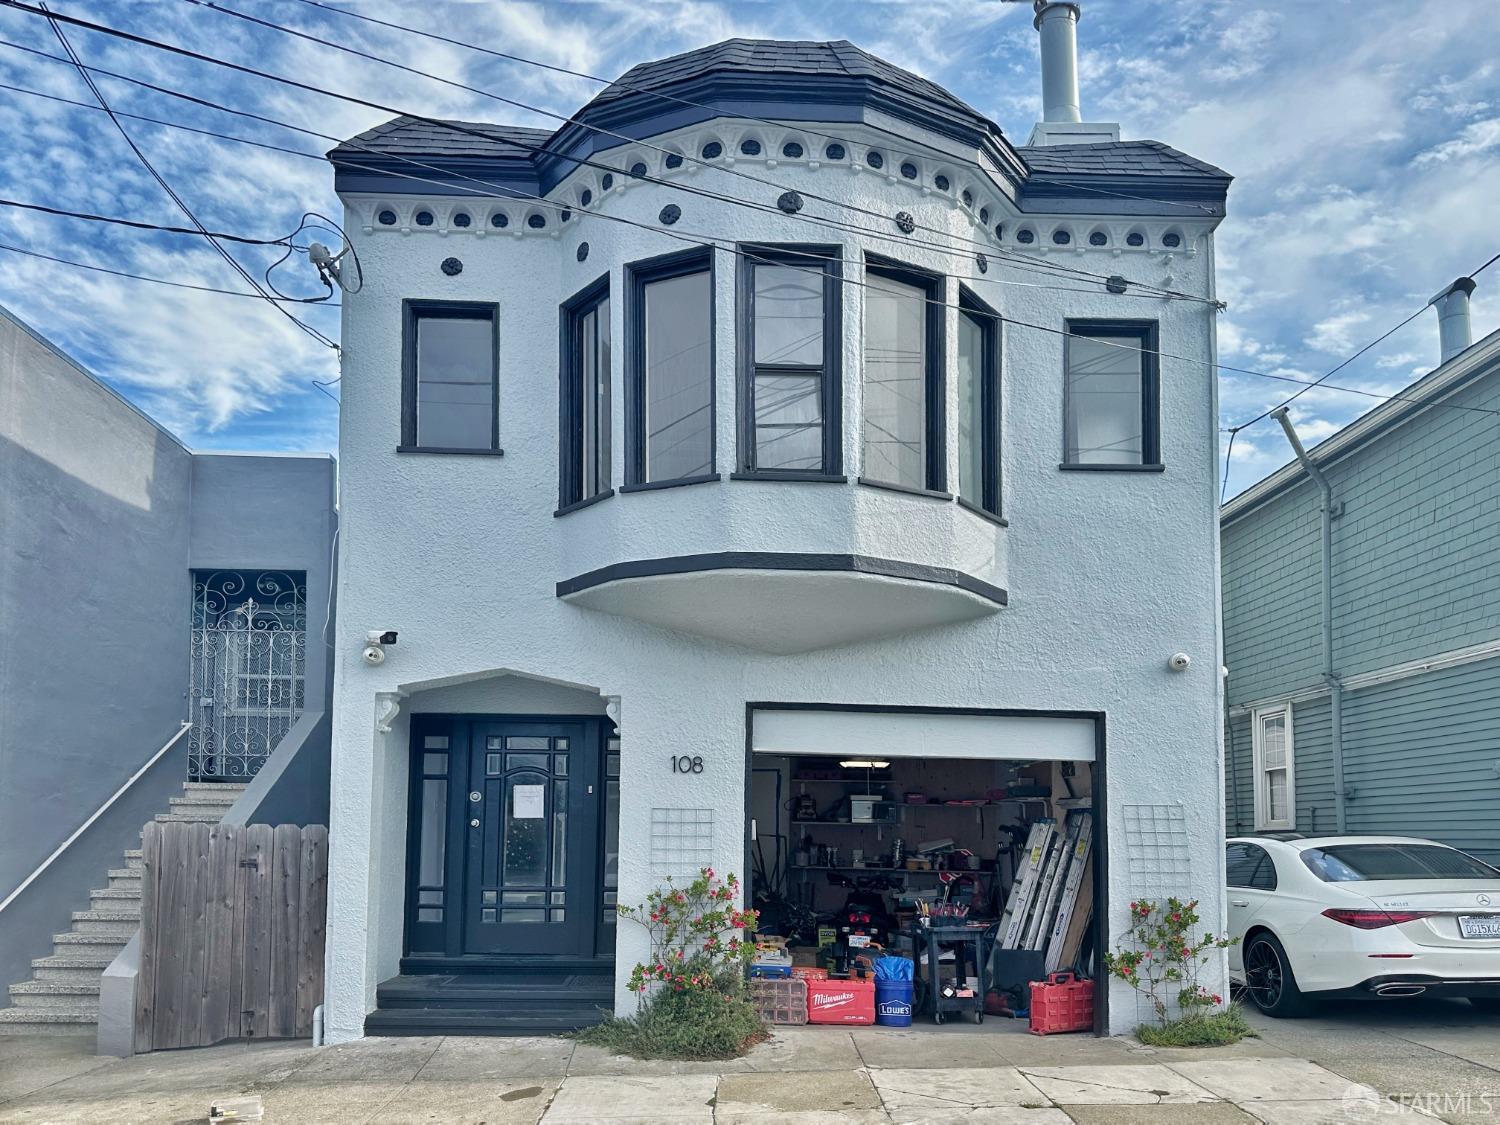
point(1156, 849)
point(682, 841)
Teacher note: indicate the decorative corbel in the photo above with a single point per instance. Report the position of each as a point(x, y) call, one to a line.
point(612, 709)
point(387, 707)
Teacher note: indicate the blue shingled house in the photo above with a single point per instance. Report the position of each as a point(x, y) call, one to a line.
point(1374, 708)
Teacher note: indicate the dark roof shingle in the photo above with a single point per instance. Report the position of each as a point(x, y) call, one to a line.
point(410, 136)
point(1136, 158)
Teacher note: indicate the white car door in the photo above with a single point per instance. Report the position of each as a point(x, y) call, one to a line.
point(1251, 878)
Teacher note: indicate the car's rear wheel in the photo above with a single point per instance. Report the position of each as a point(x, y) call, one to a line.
point(1489, 1005)
point(1269, 980)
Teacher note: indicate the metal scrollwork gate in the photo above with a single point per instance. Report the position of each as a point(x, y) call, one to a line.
point(248, 658)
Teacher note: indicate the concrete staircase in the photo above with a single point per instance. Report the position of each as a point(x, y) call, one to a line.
point(62, 996)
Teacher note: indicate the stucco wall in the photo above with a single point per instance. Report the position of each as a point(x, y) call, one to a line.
point(1108, 573)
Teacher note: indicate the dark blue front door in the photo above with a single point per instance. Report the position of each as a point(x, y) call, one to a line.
point(519, 805)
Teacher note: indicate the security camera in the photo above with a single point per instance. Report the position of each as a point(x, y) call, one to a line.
point(1179, 661)
point(381, 636)
point(374, 654)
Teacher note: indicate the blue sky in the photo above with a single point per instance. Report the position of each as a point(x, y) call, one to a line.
point(1364, 136)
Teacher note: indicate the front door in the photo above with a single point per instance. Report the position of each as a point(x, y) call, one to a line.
point(521, 802)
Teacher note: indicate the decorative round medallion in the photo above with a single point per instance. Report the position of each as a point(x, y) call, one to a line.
point(1171, 240)
point(638, 169)
point(1115, 283)
point(499, 220)
point(583, 251)
point(792, 150)
point(1025, 237)
point(608, 181)
point(424, 218)
point(968, 198)
point(834, 151)
point(999, 230)
point(536, 222)
point(984, 215)
point(566, 215)
point(586, 198)
point(713, 150)
point(909, 170)
point(674, 160)
point(790, 202)
point(670, 214)
point(387, 218)
point(750, 146)
point(905, 223)
point(1098, 238)
point(1061, 237)
point(461, 219)
point(940, 182)
point(874, 159)
point(1135, 238)
point(452, 267)
point(982, 262)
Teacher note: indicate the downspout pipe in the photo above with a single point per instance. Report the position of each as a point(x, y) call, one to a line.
point(1326, 512)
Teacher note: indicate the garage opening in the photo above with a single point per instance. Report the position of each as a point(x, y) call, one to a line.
point(922, 867)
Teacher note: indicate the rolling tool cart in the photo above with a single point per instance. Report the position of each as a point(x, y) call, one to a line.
point(970, 943)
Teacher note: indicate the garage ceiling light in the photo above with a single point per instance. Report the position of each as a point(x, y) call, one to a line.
point(863, 764)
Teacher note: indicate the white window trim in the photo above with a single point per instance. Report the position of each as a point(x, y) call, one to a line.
point(1262, 796)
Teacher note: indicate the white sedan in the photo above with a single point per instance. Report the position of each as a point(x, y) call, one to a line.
point(1361, 916)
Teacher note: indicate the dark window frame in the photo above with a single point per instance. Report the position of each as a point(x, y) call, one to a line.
point(827, 260)
point(571, 392)
point(991, 501)
point(935, 330)
point(638, 275)
point(1148, 332)
point(415, 309)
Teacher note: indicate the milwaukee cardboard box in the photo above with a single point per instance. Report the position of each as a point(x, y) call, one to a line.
point(840, 1001)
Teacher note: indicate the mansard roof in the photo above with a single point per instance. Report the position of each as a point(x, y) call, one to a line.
point(824, 84)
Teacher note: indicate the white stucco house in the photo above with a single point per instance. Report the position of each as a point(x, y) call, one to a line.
point(777, 410)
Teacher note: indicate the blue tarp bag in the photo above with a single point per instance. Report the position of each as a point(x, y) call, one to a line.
point(893, 991)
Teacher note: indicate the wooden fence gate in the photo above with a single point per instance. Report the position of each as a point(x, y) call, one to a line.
point(232, 920)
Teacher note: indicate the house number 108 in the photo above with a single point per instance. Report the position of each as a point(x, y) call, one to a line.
point(685, 764)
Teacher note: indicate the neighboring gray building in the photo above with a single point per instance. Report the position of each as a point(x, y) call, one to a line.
point(128, 569)
point(1414, 578)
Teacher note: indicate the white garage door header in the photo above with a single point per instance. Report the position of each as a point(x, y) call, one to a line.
point(921, 734)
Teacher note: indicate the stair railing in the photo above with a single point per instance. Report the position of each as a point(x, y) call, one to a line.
point(100, 811)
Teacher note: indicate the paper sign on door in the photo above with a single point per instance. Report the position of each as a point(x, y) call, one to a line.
point(528, 802)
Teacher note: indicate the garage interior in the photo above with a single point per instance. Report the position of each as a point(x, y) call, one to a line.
point(873, 845)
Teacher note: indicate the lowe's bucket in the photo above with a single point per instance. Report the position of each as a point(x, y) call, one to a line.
point(893, 1003)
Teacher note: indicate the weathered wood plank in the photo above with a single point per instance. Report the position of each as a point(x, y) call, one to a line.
point(146, 979)
point(285, 900)
point(172, 909)
point(311, 921)
point(257, 942)
point(220, 924)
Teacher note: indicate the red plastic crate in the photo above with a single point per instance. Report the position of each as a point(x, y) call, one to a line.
point(1061, 1003)
point(841, 1001)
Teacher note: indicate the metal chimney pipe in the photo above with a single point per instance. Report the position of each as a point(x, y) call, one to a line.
point(1452, 304)
point(1057, 20)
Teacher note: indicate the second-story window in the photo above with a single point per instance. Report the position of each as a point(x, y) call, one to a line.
point(789, 361)
point(978, 376)
point(449, 377)
point(672, 369)
point(586, 396)
point(902, 437)
point(1110, 407)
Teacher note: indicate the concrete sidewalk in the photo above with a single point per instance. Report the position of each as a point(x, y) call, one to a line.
point(803, 1076)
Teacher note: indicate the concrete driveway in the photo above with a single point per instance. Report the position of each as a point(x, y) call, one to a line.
point(1436, 1060)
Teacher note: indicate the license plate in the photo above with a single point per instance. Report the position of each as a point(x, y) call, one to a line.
point(1487, 926)
point(862, 941)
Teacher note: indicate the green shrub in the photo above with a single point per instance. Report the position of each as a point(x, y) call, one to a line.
point(1198, 1029)
point(694, 1023)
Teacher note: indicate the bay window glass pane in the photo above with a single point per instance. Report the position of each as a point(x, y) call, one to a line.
point(455, 382)
point(594, 398)
point(603, 416)
point(679, 377)
point(895, 410)
point(1104, 401)
point(971, 451)
point(789, 421)
point(789, 315)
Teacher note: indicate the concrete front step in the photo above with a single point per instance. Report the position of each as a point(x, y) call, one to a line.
point(188, 817)
point(89, 944)
point(81, 967)
point(125, 879)
point(27, 1021)
point(234, 787)
point(204, 800)
point(119, 923)
point(133, 859)
point(56, 996)
point(110, 898)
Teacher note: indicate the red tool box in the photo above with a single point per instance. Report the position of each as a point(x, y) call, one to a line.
point(841, 1001)
point(1061, 1003)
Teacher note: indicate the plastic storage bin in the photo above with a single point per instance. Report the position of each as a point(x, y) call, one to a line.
point(893, 1000)
point(840, 1001)
point(1061, 1003)
point(780, 1001)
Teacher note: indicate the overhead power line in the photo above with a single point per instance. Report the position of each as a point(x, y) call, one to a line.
point(139, 225)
